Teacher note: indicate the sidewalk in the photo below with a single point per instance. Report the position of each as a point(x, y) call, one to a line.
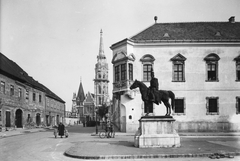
point(122, 147)
point(20, 131)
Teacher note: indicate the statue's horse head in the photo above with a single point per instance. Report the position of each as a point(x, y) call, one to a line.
point(135, 84)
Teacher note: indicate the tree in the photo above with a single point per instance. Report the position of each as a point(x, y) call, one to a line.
point(102, 110)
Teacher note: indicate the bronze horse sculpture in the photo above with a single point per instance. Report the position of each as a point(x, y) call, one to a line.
point(161, 95)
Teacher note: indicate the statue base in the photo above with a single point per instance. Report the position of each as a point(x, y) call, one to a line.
point(156, 131)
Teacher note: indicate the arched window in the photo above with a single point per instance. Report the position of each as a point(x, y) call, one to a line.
point(178, 68)
point(147, 64)
point(212, 67)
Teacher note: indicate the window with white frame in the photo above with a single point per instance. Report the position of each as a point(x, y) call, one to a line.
point(238, 105)
point(34, 96)
point(178, 68)
point(19, 93)
point(40, 98)
point(2, 87)
point(123, 72)
point(212, 105)
point(11, 90)
point(27, 95)
point(212, 67)
point(147, 66)
point(130, 71)
point(237, 59)
point(117, 73)
point(179, 107)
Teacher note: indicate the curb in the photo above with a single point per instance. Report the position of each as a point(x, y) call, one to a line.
point(147, 156)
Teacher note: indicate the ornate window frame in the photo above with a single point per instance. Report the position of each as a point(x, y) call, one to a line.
point(238, 105)
point(212, 62)
point(237, 59)
point(184, 106)
point(208, 104)
point(11, 90)
point(147, 61)
point(178, 61)
point(2, 87)
point(121, 62)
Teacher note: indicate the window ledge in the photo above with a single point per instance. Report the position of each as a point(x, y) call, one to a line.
point(178, 114)
point(212, 81)
point(213, 113)
point(179, 81)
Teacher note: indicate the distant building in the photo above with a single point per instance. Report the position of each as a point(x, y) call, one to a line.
point(79, 102)
point(198, 61)
point(24, 100)
point(89, 107)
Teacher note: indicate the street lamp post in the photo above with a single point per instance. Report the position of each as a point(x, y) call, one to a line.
point(96, 120)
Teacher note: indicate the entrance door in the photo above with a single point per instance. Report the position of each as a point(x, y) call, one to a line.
point(8, 119)
point(18, 122)
point(58, 119)
point(38, 119)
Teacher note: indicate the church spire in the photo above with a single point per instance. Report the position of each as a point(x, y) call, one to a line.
point(101, 49)
point(80, 96)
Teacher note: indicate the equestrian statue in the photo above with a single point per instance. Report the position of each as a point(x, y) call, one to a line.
point(153, 95)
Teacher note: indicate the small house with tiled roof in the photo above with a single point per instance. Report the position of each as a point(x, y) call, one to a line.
point(79, 100)
point(89, 108)
point(198, 61)
point(25, 101)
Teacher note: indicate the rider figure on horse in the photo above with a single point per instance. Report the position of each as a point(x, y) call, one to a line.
point(153, 89)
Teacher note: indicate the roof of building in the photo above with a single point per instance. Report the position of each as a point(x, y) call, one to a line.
point(89, 99)
point(14, 71)
point(80, 95)
point(190, 31)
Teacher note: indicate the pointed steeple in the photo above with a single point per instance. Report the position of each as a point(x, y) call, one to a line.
point(101, 48)
point(80, 95)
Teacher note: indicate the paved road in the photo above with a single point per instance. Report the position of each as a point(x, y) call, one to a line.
point(42, 146)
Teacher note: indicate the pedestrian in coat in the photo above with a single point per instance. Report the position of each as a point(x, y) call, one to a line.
point(61, 129)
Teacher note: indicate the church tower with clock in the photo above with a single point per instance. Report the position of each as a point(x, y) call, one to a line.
point(101, 76)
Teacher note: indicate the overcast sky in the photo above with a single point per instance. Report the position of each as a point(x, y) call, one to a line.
point(57, 41)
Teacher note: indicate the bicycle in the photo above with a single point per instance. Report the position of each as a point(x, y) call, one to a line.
point(107, 134)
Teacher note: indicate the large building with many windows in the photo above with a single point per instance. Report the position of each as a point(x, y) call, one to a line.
point(24, 101)
point(198, 61)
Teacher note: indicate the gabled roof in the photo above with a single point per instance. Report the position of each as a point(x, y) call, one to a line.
point(80, 95)
point(89, 98)
point(226, 31)
point(12, 70)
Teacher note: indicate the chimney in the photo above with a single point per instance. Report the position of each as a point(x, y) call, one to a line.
point(155, 18)
point(231, 19)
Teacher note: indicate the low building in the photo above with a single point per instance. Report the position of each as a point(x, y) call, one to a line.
point(198, 61)
point(24, 101)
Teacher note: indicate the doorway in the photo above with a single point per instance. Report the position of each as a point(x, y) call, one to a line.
point(8, 119)
point(18, 119)
point(38, 119)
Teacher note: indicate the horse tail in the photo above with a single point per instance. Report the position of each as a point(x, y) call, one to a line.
point(172, 96)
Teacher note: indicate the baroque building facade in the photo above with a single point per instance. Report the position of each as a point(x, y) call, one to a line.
point(198, 61)
point(24, 100)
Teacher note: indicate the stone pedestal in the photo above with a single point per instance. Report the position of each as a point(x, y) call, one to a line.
point(156, 131)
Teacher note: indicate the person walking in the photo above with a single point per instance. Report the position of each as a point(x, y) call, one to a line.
point(61, 129)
